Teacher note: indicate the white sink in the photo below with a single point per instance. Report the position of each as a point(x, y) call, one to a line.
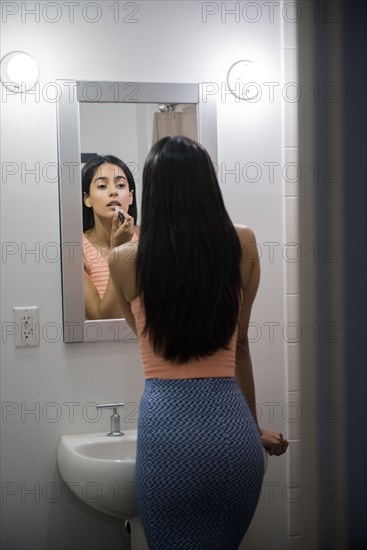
point(100, 470)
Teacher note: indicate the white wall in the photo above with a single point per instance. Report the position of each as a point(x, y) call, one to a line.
point(169, 42)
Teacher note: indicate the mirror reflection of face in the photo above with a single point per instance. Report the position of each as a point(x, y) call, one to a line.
point(109, 188)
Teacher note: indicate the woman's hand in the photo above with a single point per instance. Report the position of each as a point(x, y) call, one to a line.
point(273, 442)
point(121, 232)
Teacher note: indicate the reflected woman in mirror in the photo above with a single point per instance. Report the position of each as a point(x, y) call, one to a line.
point(109, 218)
point(187, 289)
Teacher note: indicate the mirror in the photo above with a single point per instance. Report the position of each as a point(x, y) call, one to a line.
point(137, 101)
point(129, 129)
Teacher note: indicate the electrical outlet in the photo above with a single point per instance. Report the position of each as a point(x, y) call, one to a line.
point(27, 327)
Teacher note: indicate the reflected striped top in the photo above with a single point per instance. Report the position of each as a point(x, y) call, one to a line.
point(219, 365)
point(98, 264)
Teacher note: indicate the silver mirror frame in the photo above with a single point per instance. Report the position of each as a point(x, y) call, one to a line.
point(73, 92)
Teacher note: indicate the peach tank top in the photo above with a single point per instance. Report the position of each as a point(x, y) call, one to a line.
point(219, 365)
point(98, 265)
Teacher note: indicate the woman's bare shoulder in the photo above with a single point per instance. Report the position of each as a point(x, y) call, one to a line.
point(250, 252)
point(245, 234)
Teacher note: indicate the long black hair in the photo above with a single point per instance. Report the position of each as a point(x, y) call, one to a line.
point(88, 171)
point(188, 259)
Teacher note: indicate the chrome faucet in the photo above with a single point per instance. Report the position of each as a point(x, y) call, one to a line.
point(115, 418)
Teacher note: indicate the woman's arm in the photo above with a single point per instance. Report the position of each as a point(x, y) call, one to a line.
point(273, 442)
point(250, 273)
point(121, 262)
point(96, 307)
point(108, 307)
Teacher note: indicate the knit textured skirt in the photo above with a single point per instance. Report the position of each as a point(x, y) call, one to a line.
point(199, 466)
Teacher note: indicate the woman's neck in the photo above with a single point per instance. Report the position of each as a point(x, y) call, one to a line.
point(100, 233)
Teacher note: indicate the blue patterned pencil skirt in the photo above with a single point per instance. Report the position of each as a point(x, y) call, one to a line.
point(199, 466)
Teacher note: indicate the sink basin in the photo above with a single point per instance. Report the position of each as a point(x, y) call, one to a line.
point(100, 470)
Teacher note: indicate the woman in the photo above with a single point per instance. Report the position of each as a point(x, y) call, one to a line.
point(187, 290)
point(108, 187)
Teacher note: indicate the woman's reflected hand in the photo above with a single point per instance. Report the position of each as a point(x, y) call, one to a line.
point(273, 442)
point(121, 231)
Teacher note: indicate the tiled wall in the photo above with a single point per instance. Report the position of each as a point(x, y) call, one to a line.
point(291, 256)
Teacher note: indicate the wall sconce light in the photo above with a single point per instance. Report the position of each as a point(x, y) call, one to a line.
point(242, 80)
point(18, 71)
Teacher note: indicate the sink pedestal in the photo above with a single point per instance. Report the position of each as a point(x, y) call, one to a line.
point(138, 540)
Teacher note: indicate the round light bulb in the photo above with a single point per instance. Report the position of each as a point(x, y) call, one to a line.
point(19, 71)
point(242, 80)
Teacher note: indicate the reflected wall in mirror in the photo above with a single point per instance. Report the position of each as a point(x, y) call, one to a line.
point(122, 119)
